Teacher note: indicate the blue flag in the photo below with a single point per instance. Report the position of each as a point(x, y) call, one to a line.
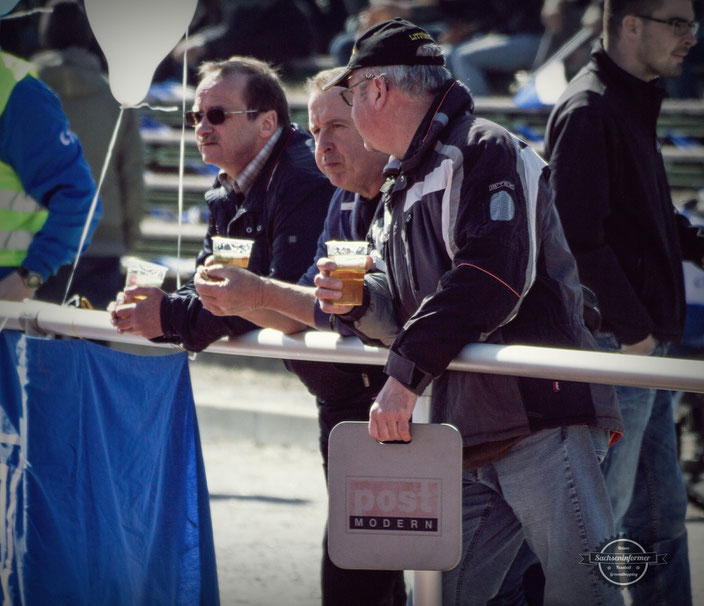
point(103, 492)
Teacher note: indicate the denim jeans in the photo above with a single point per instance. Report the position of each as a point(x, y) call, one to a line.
point(470, 61)
point(647, 492)
point(548, 489)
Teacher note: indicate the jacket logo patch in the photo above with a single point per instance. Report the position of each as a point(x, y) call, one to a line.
point(501, 207)
point(67, 138)
point(502, 185)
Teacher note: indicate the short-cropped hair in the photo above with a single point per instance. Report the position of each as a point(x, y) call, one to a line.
point(315, 83)
point(263, 91)
point(616, 10)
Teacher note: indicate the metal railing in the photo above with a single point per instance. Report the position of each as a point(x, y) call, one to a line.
point(35, 317)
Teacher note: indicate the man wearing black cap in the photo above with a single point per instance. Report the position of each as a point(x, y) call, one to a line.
point(473, 252)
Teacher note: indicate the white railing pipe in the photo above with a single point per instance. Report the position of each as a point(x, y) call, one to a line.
point(36, 317)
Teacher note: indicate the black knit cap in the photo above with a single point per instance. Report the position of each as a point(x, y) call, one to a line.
point(396, 42)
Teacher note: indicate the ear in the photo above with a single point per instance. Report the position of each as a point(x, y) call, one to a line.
point(631, 25)
point(268, 122)
point(380, 91)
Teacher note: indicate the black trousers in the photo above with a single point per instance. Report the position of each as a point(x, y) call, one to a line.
point(340, 586)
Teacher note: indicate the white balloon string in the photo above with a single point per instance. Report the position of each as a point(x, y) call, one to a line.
point(94, 202)
point(156, 108)
point(182, 153)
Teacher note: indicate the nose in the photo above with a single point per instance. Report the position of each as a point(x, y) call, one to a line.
point(690, 39)
point(325, 142)
point(204, 126)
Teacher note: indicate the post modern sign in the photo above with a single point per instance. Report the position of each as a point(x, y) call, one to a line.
point(395, 506)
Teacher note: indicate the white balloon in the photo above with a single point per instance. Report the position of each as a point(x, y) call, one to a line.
point(135, 36)
point(6, 6)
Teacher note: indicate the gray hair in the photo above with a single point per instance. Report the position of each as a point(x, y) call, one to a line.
point(413, 79)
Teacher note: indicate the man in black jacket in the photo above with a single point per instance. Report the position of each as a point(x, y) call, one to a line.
point(471, 250)
point(614, 202)
point(269, 190)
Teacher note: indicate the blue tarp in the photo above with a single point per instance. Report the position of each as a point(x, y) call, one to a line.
point(103, 492)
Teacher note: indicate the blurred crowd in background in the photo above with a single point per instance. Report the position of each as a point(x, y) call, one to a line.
point(487, 43)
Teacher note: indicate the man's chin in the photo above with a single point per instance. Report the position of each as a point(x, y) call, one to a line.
point(208, 158)
point(339, 180)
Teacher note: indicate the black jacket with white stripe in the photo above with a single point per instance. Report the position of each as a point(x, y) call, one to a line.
point(473, 251)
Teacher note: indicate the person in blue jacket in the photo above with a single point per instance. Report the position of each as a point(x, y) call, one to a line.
point(46, 187)
point(343, 392)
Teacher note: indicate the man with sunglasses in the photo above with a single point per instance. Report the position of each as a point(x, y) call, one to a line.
point(614, 203)
point(269, 190)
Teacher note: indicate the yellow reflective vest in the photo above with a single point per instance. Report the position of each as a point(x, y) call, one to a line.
point(20, 215)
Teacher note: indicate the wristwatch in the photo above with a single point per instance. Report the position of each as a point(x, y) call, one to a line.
point(30, 278)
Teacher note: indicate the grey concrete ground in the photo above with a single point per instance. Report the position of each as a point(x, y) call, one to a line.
point(268, 504)
point(268, 497)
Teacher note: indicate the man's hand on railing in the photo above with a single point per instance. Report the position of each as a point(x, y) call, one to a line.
point(138, 311)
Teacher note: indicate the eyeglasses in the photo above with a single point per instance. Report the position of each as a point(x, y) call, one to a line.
point(680, 26)
point(347, 94)
point(215, 115)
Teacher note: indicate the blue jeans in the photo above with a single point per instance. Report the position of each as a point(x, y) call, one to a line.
point(549, 490)
point(472, 60)
point(647, 492)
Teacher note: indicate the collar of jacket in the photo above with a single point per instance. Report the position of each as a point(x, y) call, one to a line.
point(265, 174)
point(452, 100)
point(637, 96)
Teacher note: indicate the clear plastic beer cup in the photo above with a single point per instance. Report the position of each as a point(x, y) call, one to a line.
point(232, 251)
point(351, 259)
point(144, 273)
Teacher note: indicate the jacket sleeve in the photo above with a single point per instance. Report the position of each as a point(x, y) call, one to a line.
point(582, 169)
point(35, 139)
point(375, 321)
point(184, 320)
point(491, 268)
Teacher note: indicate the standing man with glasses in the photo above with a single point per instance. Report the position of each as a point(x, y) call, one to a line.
point(269, 190)
point(614, 202)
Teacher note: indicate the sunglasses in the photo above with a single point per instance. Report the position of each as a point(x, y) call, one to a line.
point(215, 115)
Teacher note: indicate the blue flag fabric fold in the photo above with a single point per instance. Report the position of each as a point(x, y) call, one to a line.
point(104, 488)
